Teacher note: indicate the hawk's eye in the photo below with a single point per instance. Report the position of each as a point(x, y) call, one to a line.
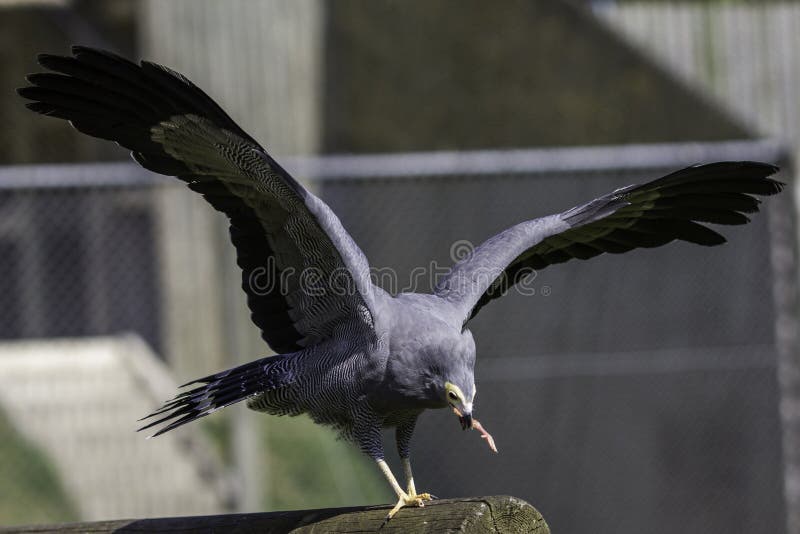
point(452, 395)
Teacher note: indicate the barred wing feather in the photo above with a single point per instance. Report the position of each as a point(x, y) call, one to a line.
point(279, 229)
point(649, 215)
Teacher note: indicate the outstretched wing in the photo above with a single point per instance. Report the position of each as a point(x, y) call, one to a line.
point(636, 216)
point(302, 272)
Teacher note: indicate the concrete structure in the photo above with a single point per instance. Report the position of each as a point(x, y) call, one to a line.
point(79, 399)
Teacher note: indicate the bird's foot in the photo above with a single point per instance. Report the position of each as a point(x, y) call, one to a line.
point(408, 499)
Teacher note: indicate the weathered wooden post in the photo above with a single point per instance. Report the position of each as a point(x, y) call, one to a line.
point(500, 514)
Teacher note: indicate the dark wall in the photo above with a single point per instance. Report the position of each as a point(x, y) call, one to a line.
point(443, 74)
point(26, 32)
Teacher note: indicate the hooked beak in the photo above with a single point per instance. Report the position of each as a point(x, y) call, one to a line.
point(466, 421)
point(464, 418)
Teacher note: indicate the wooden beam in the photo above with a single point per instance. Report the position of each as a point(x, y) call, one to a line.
point(500, 514)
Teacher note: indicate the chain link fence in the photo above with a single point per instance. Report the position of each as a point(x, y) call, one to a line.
point(78, 252)
point(628, 393)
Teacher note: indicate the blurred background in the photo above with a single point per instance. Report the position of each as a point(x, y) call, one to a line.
point(657, 391)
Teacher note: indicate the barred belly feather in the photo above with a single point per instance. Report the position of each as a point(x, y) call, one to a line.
point(328, 385)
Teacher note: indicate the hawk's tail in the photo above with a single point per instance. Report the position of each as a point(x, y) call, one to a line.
point(222, 389)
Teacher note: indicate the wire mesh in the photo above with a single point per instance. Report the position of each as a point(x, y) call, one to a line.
point(78, 261)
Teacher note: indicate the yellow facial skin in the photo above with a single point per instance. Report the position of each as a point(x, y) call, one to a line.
point(457, 399)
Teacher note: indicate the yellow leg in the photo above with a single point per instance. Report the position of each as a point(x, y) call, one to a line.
point(403, 498)
point(409, 477)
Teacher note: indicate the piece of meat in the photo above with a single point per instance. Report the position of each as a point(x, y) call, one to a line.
point(479, 427)
point(484, 434)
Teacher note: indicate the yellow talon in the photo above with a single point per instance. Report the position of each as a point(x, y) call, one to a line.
point(409, 500)
point(424, 497)
point(404, 498)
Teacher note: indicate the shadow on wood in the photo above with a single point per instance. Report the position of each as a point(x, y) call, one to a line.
point(502, 514)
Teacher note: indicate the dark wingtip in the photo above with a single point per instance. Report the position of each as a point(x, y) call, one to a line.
point(52, 61)
point(80, 49)
point(772, 167)
point(759, 164)
point(34, 78)
point(768, 169)
point(44, 58)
